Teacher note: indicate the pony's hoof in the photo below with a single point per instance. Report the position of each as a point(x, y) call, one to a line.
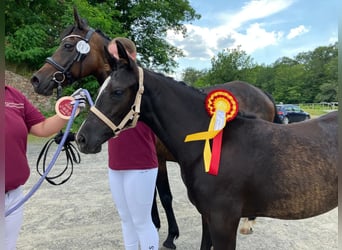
point(169, 245)
point(246, 230)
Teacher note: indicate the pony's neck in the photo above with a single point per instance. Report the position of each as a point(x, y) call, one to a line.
point(173, 110)
point(103, 70)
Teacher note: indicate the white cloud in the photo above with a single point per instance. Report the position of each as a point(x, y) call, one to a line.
point(256, 9)
point(301, 29)
point(202, 43)
point(256, 38)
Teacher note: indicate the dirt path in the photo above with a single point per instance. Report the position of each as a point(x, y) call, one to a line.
point(80, 215)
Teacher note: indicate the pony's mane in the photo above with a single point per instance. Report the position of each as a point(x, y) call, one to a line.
point(103, 34)
point(242, 114)
point(171, 79)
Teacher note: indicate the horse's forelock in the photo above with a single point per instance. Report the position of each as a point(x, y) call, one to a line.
point(67, 31)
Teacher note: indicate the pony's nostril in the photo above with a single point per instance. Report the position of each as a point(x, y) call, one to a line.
point(34, 81)
point(80, 139)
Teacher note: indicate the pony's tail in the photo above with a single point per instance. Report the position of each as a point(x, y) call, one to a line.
point(276, 118)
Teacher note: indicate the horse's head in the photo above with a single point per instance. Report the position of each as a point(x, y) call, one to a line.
point(79, 54)
point(118, 102)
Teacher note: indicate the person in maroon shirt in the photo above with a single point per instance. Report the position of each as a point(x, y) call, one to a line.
point(21, 118)
point(133, 168)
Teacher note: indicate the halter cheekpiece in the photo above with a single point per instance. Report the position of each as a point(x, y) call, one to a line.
point(131, 118)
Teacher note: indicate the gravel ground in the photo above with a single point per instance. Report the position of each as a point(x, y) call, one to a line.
point(80, 215)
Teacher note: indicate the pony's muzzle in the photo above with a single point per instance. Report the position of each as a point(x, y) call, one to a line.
point(84, 146)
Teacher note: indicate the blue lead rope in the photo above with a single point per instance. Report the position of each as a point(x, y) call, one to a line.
point(54, 158)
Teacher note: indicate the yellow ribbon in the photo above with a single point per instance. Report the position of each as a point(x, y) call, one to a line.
point(223, 107)
point(217, 123)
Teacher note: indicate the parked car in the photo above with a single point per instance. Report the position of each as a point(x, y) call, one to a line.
point(289, 113)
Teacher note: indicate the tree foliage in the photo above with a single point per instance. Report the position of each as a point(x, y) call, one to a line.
point(33, 27)
point(191, 75)
point(308, 77)
point(229, 65)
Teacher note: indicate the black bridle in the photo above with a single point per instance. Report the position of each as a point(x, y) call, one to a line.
point(62, 74)
point(82, 48)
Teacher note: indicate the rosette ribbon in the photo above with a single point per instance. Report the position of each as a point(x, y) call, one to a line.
point(223, 107)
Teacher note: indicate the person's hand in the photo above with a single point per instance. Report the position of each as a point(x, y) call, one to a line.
point(79, 95)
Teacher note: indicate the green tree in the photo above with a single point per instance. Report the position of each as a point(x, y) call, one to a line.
point(288, 81)
point(229, 65)
point(147, 23)
point(320, 67)
point(191, 75)
point(262, 77)
point(33, 27)
point(328, 92)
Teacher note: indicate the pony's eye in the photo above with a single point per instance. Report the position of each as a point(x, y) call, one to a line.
point(118, 92)
point(68, 46)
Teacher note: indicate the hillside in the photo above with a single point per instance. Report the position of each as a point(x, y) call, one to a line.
point(23, 84)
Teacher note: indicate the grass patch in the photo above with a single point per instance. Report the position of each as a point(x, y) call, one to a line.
point(35, 139)
point(315, 110)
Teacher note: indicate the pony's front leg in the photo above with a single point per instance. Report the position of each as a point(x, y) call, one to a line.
point(223, 230)
point(206, 239)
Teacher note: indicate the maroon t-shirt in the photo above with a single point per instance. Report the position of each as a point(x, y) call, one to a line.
point(134, 148)
point(20, 116)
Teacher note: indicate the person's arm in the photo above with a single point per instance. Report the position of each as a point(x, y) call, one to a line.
point(48, 127)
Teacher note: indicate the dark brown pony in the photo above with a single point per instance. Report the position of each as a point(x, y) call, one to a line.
point(69, 64)
point(278, 171)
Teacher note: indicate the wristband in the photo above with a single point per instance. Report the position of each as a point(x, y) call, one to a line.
point(64, 107)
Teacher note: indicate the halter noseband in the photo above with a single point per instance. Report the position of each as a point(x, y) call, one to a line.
point(82, 48)
point(132, 116)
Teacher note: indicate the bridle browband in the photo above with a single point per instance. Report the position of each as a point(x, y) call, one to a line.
point(131, 118)
point(63, 73)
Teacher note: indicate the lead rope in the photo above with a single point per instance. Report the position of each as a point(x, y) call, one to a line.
point(54, 158)
point(71, 153)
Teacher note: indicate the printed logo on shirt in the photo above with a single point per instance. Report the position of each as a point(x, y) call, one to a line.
point(14, 105)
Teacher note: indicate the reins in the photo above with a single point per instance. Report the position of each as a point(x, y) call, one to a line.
point(71, 153)
point(132, 116)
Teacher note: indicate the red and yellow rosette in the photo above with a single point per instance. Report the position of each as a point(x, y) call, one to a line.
point(223, 107)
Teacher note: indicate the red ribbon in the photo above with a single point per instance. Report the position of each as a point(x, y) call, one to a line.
point(216, 154)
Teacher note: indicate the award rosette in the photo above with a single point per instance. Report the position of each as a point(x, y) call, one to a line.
point(64, 107)
point(222, 106)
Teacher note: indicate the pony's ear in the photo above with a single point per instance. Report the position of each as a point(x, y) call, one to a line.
point(81, 23)
point(123, 54)
point(112, 61)
point(122, 51)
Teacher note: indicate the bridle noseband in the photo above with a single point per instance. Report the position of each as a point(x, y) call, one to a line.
point(82, 48)
point(131, 118)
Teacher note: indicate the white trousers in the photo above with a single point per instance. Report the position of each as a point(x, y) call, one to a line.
point(133, 192)
point(14, 221)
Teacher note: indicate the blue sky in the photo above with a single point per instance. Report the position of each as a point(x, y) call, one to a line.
point(265, 29)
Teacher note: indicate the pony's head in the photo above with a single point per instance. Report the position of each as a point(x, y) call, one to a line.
point(79, 54)
point(117, 105)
